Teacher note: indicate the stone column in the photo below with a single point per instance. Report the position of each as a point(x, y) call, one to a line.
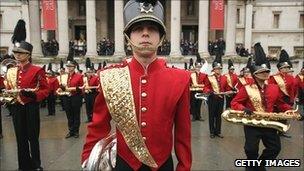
point(175, 28)
point(63, 28)
point(248, 25)
point(91, 28)
point(231, 28)
point(203, 28)
point(25, 17)
point(35, 30)
point(118, 27)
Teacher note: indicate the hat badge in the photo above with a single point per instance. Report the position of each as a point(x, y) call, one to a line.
point(264, 66)
point(17, 44)
point(146, 8)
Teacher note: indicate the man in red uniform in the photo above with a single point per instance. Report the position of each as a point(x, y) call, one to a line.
point(245, 76)
point(300, 86)
point(91, 83)
point(214, 86)
point(265, 96)
point(197, 86)
point(153, 98)
point(285, 82)
point(229, 80)
point(73, 101)
point(31, 82)
point(1, 88)
point(53, 86)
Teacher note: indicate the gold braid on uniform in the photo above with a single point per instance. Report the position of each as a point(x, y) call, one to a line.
point(117, 90)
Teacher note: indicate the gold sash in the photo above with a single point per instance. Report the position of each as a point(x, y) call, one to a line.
point(214, 84)
point(301, 77)
point(281, 84)
point(117, 90)
point(243, 80)
point(11, 78)
point(255, 97)
point(63, 79)
point(229, 81)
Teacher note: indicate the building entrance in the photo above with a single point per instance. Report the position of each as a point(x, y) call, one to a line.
point(190, 33)
point(80, 32)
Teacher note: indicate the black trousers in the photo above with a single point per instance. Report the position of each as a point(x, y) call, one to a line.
point(270, 139)
point(72, 109)
point(26, 122)
point(215, 108)
point(195, 106)
point(228, 101)
point(121, 165)
point(51, 99)
point(89, 101)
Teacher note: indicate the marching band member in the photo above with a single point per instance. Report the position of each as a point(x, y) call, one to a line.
point(229, 80)
point(155, 100)
point(196, 86)
point(260, 97)
point(53, 86)
point(285, 82)
point(300, 86)
point(25, 112)
point(2, 86)
point(245, 76)
point(91, 83)
point(213, 86)
point(73, 100)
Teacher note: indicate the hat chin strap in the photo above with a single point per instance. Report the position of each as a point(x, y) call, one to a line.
point(137, 48)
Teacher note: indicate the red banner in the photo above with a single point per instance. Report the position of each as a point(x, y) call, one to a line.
point(49, 14)
point(217, 9)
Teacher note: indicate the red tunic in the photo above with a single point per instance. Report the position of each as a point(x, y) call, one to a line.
point(164, 106)
point(93, 80)
point(300, 87)
point(289, 84)
point(208, 86)
point(31, 76)
point(270, 95)
point(53, 84)
point(75, 80)
point(229, 85)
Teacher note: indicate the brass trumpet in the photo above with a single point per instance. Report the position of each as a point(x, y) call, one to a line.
point(88, 89)
point(262, 119)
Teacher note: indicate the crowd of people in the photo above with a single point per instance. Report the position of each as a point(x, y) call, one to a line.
point(106, 47)
point(50, 48)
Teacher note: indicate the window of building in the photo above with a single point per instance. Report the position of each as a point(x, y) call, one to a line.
point(190, 7)
point(253, 18)
point(276, 19)
point(301, 22)
point(299, 51)
point(238, 16)
point(82, 7)
point(274, 51)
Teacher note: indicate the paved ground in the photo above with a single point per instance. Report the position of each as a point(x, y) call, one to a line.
point(59, 153)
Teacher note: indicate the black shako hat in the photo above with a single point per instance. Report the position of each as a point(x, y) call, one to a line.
point(23, 47)
point(230, 64)
point(283, 60)
point(261, 63)
point(136, 11)
point(217, 63)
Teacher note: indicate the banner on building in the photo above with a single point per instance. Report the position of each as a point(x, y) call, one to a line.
point(217, 9)
point(49, 14)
